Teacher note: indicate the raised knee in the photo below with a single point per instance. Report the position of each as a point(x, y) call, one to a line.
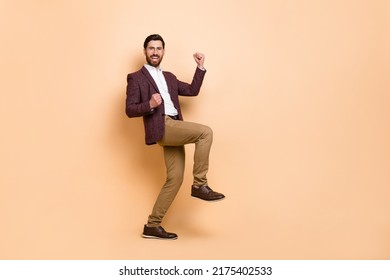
point(208, 132)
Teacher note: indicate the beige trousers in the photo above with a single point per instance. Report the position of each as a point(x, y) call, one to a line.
point(177, 134)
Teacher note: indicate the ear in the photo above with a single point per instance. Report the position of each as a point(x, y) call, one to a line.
point(144, 51)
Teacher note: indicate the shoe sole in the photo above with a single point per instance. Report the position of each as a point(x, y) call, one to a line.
point(156, 237)
point(214, 200)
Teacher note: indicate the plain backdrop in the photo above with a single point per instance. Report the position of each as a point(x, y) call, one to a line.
point(297, 93)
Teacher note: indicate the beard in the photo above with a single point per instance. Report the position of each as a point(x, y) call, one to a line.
point(154, 62)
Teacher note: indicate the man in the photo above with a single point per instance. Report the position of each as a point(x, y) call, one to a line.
point(153, 94)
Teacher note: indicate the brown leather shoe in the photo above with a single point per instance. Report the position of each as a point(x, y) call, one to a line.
point(158, 233)
point(206, 193)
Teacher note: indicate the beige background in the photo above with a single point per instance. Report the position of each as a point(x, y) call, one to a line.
point(297, 93)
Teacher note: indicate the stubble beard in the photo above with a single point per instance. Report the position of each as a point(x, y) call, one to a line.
point(154, 63)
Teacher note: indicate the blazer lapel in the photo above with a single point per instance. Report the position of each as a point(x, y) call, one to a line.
point(150, 78)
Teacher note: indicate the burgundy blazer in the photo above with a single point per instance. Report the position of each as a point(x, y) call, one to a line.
point(140, 88)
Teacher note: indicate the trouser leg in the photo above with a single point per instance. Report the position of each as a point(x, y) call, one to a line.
point(179, 133)
point(174, 157)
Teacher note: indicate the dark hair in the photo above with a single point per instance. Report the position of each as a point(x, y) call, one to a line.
point(153, 37)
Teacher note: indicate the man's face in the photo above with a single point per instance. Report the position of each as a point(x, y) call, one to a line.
point(154, 53)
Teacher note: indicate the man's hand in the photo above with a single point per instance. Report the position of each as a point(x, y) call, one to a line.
point(199, 59)
point(155, 100)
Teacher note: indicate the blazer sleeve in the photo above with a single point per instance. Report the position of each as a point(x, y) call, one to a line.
point(137, 105)
point(192, 89)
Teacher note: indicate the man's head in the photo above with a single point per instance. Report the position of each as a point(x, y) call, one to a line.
point(154, 49)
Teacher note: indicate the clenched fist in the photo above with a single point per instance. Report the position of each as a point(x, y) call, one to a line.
point(155, 100)
point(199, 59)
